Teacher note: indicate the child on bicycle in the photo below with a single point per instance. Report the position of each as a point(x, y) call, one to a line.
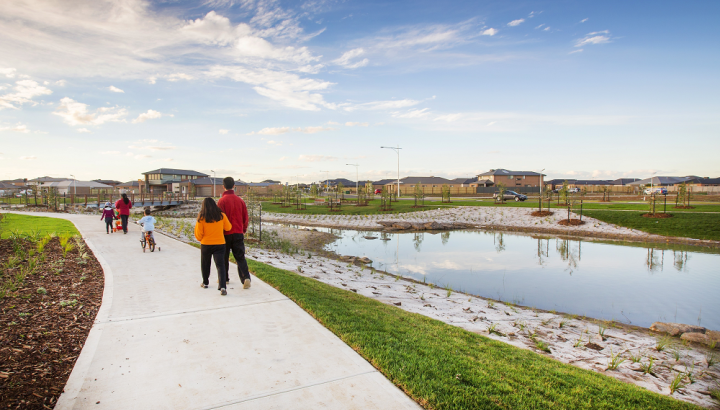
point(148, 223)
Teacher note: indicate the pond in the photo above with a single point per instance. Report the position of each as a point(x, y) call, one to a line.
point(631, 283)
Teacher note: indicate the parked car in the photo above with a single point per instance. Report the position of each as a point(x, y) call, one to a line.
point(378, 191)
point(574, 190)
point(511, 195)
point(650, 191)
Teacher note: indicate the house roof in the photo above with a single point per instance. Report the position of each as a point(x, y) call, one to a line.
point(501, 171)
point(258, 184)
point(624, 181)
point(108, 181)
point(71, 183)
point(707, 181)
point(661, 181)
point(384, 181)
point(48, 179)
point(269, 181)
point(14, 181)
point(129, 184)
point(464, 180)
point(172, 171)
point(208, 181)
point(5, 185)
point(345, 182)
point(425, 180)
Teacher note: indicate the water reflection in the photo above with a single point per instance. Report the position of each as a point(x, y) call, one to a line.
point(626, 282)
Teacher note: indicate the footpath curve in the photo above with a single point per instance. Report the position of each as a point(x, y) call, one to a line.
point(159, 341)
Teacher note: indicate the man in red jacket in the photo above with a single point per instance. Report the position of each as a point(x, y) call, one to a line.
point(236, 211)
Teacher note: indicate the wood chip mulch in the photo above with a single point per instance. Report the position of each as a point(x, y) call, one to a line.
point(541, 213)
point(45, 321)
point(657, 215)
point(571, 222)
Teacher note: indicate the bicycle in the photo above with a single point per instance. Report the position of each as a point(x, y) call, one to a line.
point(148, 241)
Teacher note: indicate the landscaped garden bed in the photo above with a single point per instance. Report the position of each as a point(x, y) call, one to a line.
point(50, 292)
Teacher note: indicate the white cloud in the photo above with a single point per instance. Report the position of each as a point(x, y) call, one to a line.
point(515, 22)
point(272, 131)
point(223, 131)
point(25, 91)
point(115, 89)
point(179, 76)
point(76, 113)
point(316, 158)
point(19, 127)
point(61, 83)
point(142, 156)
point(83, 130)
point(149, 115)
point(546, 28)
point(282, 158)
point(271, 142)
point(540, 26)
point(584, 20)
point(167, 160)
point(31, 157)
point(8, 72)
point(356, 124)
point(576, 51)
point(596, 37)
point(382, 105)
point(110, 152)
point(152, 80)
point(449, 117)
point(490, 32)
point(491, 123)
point(344, 60)
point(411, 113)
point(313, 130)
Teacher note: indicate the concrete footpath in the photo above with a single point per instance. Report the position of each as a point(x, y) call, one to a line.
point(162, 342)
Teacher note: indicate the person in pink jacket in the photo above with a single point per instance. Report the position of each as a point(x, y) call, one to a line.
point(123, 206)
point(108, 216)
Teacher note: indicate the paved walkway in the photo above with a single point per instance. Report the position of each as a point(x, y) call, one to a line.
point(162, 342)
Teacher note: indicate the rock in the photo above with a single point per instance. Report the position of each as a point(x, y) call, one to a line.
point(714, 335)
point(370, 237)
point(697, 338)
point(365, 259)
point(385, 223)
point(397, 303)
point(418, 225)
point(593, 346)
point(675, 329)
point(433, 226)
point(402, 225)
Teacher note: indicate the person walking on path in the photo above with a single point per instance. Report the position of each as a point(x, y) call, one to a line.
point(211, 222)
point(234, 207)
point(123, 206)
point(108, 216)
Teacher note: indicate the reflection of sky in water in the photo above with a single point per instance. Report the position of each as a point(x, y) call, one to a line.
point(625, 283)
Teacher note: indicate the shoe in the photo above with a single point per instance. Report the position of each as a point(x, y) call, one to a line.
point(202, 285)
point(223, 292)
point(246, 284)
point(227, 280)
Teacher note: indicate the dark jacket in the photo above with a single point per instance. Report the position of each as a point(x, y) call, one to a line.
point(234, 207)
point(122, 207)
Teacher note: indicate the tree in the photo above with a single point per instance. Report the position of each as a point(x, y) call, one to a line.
point(564, 192)
point(445, 193)
point(314, 190)
point(419, 195)
point(341, 191)
point(501, 192)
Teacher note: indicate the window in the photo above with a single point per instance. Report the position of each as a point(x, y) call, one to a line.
point(510, 177)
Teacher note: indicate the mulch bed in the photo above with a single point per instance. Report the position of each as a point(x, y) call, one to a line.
point(683, 207)
point(659, 216)
point(541, 213)
point(41, 334)
point(571, 222)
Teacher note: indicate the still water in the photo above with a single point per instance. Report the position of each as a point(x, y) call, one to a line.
point(631, 283)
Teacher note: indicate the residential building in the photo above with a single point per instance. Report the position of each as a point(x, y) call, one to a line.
point(45, 180)
point(160, 180)
point(72, 186)
point(662, 181)
point(131, 187)
point(703, 181)
point(110, 182)
point(20, 182)
point(512, 179)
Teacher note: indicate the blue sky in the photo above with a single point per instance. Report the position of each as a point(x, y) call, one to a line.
point(262, 89)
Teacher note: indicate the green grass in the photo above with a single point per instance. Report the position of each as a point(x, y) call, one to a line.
point(688, 225)
point(445, 367)
point(24, 224)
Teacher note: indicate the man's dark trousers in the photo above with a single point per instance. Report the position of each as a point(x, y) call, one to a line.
point(236, 243)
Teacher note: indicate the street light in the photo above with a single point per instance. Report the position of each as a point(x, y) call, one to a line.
point(651, 182)
point(74, 185)
point(327, 181)
point(213, 193)
point(357, 193)
point(397, 151)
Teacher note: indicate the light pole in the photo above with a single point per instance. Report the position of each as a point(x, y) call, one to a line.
point(74, 185)
point(651, 182)
point(327, 181)
point(213, 193)
point(357, 181)
point(397, 151)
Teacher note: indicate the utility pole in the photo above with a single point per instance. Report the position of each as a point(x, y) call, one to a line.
point(327, 181)
point(356, 178)
point(74, 185)
point(397, 151)
point(213, 192)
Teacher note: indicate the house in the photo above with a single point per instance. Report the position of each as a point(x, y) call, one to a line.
point(130, 187)
point(75, 187)
point(8, 189)
point(334, 182)
point(512, 179)
point(260, 188)
point(160, 180)
point(703, 181)
point(110, 182)
point(20, 182)
point(45, 180)
point(381, 183)
point(662, 181)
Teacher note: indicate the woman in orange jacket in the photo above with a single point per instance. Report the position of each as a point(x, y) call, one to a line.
point(211, 223)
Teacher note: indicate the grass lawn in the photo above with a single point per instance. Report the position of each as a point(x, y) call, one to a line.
point(25, 224)
point(682, 224)
point(445, 367)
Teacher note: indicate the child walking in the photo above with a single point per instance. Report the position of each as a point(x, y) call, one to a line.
point(107, 215)
point(148, 225)
point(209, 231)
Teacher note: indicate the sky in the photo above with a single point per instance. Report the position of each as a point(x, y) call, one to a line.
point(295, 91)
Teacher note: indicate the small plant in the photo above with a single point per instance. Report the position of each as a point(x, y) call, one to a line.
point(690, 373)
point(64, 303)
point(299, 269)
point(602, 328)
point(647, 368)
point(675, 354)
point(491, 304)
point(553, 311)
point(712, 345)
point(715, 393)
point(663, 343)
point(542, 345)
point(493, 329)
point(448, 291)
point(677, 383)
point(615, 360)
point(563, 322)
point(636, 358)
point(42, 291)
point(546, 322)
point(711, 359)
point(578, 343)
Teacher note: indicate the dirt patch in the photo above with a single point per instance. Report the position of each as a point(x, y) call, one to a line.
point(45, 320)
point(571, 222)
point(541, 213)
point(658, 216)
point(683, 207)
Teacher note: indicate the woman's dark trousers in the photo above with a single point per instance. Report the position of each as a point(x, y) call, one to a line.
point(124, 219)
point(217, 253)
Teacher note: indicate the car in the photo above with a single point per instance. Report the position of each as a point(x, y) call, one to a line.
point(511, 195)
point(378, 191)
point(650, 191)
point(573, 190)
